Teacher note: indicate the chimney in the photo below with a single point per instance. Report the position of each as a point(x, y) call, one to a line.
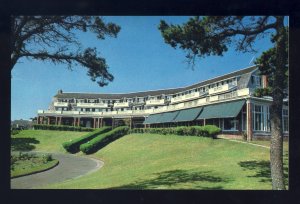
point(60, 91)
point(264, 81)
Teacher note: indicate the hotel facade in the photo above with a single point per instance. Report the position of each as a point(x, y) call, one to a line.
point(226, 101)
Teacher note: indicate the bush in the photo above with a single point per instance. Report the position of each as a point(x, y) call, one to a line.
point(104, 139)
point(260, 92)
point(212, 130)
point(73, 145)
point(62, 128)
point(46, 158)
point(204, 131)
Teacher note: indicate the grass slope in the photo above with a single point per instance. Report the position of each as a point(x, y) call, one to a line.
point(42, 140)
point(149, 161)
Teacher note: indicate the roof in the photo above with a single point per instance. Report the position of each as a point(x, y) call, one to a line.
point(153, 92)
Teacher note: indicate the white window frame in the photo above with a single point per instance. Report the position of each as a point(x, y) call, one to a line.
point(285, 116)
point(244, 119)
point(235, 121)
point(264, 118)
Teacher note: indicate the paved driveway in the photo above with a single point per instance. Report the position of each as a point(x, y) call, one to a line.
point(69, 167)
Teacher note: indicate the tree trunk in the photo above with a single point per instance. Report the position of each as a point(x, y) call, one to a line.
point(276, 149)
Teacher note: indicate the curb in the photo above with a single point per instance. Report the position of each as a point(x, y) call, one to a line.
point(35, 172)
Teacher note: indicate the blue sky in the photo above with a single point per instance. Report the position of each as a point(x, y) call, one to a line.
point(138, 58)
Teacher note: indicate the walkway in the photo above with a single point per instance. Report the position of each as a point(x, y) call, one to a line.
point(258, 145)
point(69, 167)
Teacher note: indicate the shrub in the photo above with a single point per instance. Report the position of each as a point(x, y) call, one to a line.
point(204, 131)
point(244, 136)
point(46, 158)
point(260, 92)
point(190, 130)
point(103, 139)
point(212, 130)
point(73, 145)
point(179, 131)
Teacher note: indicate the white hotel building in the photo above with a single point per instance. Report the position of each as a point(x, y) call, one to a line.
point(226, 101)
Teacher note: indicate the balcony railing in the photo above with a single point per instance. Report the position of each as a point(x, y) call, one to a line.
point(186, 97)
point(121, 105)
point(92, 105)
point(183, 105)
point(243, 92)
point(219, 89)
point(155, 102)
point(61, 104)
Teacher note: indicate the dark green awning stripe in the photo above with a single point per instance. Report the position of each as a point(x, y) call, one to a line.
point(188, 114)
point(152, 118)
point(168, 117)
point(161, 118)
point(223, 110)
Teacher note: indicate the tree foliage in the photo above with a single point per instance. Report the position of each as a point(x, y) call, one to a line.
point(267, 65)
point(54, 39)
point(205, 36)
point(211, 35)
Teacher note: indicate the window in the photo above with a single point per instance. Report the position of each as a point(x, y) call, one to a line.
point(258, 117)
point(230, 124)
point(285, 120)
point(244, 118)
point(256, 80)
point(261, 118)
point(268, 122)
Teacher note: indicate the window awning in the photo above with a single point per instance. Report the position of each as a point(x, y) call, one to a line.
point(152, 119)
point(223, 110)
point(188, 114)
point(168, 117)
point(161, 118)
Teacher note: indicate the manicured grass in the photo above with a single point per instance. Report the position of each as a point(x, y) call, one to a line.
point(42, 140)
point(150, 161)
point(32, 164)
point(267, 143)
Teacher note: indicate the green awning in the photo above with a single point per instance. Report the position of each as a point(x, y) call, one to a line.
point(161, 117)
point(152, 118)
point(188, 114)
point(223, 110)
point(168, 117)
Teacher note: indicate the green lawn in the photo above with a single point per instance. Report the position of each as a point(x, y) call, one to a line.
point(149, 161)
point(42, 140)
point(31, 165)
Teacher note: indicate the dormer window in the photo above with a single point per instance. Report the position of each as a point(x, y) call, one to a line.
point(256, 80)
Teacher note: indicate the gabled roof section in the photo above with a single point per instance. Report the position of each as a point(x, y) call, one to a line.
point(154, 92)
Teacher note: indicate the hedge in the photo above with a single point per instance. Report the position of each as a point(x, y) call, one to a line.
point(73, 145)
point(103, 139)
point(204, 131)
point(62, 128)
